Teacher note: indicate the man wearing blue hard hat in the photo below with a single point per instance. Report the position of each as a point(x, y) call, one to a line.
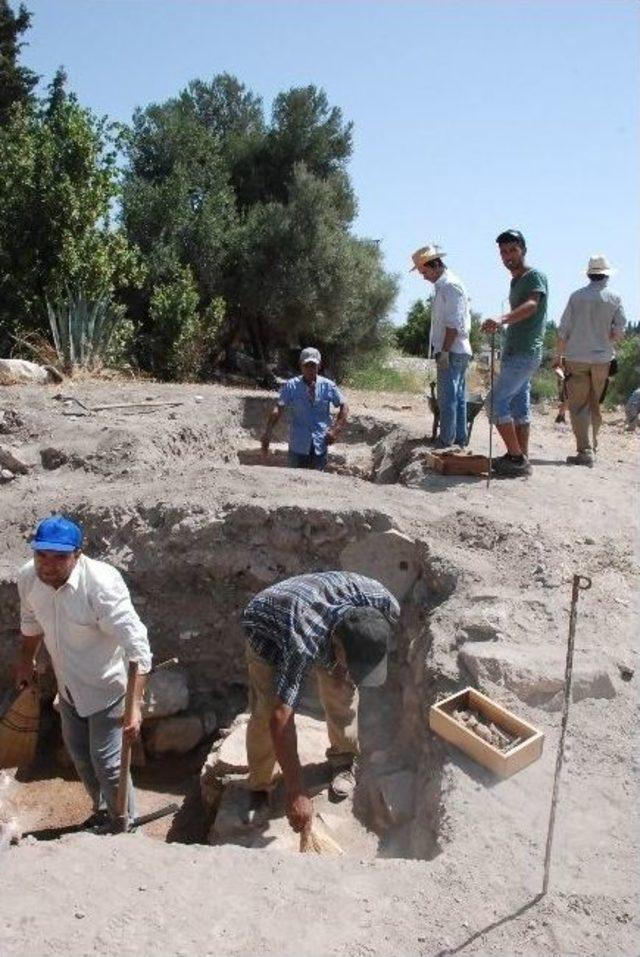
point(82, 611)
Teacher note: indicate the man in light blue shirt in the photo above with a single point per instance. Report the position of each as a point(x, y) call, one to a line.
point(309, 397)
point(591, 323)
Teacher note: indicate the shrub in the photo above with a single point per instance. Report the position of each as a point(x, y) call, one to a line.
point(628, 376)
point(82, 329)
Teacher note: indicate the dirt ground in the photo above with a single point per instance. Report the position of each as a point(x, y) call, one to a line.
point(514, 545)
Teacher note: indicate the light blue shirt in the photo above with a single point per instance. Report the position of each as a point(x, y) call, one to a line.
point(310, 419)
point(592, 314)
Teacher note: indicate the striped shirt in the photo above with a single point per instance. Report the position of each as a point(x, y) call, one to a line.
point(290, 624)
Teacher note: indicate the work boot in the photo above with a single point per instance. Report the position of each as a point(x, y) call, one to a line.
point(257, 814)
point(582, 458)
point(511, 466)
point(343, 783)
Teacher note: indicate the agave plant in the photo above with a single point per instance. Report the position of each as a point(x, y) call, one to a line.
point(81, 329)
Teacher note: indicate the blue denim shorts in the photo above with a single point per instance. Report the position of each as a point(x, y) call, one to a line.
point(512, 390)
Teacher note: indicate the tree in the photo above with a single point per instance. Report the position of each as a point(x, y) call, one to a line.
point(259, 214)
point(413, 337)
point(16, 82)
point(58, 179)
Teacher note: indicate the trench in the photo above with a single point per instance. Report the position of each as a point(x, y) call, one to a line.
point(191, 572)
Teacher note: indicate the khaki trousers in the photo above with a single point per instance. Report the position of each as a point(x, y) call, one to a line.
point(340, 703)
point(585, 384)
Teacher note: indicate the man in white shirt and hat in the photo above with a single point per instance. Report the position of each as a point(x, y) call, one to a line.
point(450, 328)
point(81, 609)
point(591, 323)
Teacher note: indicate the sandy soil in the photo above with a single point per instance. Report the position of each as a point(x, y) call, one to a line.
point(518, 542)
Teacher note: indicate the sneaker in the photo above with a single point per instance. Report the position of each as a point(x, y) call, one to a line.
point(257, 814)
point(582, 458)
point(343, 784)
point(511, 466)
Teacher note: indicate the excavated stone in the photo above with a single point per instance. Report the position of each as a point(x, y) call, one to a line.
point(167, 693)
point(12, 460)
point(178, 734)
point(53, 458)
point(396, 797)
point(389, 557)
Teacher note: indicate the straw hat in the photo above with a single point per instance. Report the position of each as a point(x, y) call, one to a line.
point(599, 265)
point(425, 254)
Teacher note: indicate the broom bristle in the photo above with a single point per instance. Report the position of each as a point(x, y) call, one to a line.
point(19, 730)
point(315, 840)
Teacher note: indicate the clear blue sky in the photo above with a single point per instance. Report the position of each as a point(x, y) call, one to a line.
point(470, 115)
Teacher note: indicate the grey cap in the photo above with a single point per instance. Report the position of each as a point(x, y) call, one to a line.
point(310, 355)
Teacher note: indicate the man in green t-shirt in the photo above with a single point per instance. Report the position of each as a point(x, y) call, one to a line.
point(521, 353)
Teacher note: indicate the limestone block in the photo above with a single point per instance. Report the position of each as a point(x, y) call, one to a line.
point(228, 756)
point(392, 798)
point(10, 459)
point(13, 371)
point(167, 692)
point(390, 557)
point(178, 734)
point(6, 476)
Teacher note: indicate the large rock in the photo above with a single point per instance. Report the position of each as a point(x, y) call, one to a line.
point(390, 557)
point(533, 674)
point(10, 459)
point(53, 458)
point(15, 371)
point(167, 693)
point(227, 759)
point(177, 735)
point(393, 798)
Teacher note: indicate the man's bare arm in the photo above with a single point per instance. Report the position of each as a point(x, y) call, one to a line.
point(523, 311)
point(285, 743)
point(339, 424)
point(274, 417)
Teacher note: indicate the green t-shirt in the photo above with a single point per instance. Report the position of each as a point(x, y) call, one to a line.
point(525, 338)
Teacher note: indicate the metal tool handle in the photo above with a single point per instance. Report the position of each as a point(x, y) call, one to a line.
point(580, 583)
point(122, 798)
point(491, 376)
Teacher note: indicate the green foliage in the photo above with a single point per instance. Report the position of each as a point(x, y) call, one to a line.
point(550, 339)
point(58, 179)
point(198, 343)
point(476, 337)
point(260, 214)
point(544, 385)
point(413, 337)
point(81, 329)
point(374, 375)
point(16, 82)
point(628, 376)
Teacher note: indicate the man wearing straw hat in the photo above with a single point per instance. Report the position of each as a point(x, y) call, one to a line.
point(449, 340)
point(591, 323)
point(82, 610)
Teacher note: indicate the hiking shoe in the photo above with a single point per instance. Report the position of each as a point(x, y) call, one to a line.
point(343, 784)
point(511, 465)
point(257, 814)
point(99, 822)
point(582, 458)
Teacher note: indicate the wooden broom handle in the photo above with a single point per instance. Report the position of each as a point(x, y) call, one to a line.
point(122, 798)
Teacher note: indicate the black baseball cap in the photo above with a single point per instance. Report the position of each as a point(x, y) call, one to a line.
point(364, 634)
point(511, 236)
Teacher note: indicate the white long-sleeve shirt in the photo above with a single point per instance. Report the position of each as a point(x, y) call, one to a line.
point(450, 310)
point(90, 629)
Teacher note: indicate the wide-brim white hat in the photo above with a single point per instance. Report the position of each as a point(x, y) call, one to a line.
point(600, 265)
point(425, 254)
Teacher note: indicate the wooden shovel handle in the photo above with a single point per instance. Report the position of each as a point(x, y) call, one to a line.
point(122, 798)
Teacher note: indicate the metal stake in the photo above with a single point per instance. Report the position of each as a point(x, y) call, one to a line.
point(491, 375)
point(580, 583)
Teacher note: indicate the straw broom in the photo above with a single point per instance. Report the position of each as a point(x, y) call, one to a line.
point(315, 840)
point(19, 720)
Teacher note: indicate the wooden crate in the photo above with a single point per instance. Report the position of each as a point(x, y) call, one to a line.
point(456, 462)
point(502, 763)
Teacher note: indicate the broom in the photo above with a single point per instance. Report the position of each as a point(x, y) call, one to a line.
point(315, 840)
point(19, 720)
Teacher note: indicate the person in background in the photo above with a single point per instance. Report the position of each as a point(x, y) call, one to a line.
point(521, 353)
point(592, 322)
point(309, 397)
point(450, 328)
